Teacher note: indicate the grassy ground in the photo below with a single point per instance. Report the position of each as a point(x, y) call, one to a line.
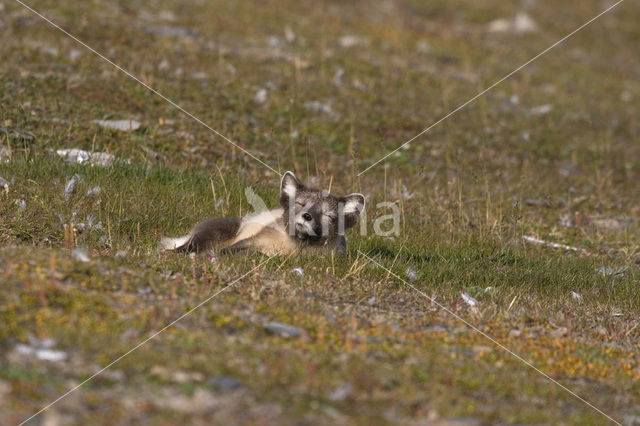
point(325, 89)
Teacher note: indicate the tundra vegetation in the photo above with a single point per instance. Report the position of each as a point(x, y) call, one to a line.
point(325, 89)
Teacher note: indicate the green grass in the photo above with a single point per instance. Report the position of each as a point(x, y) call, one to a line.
point(372, 349)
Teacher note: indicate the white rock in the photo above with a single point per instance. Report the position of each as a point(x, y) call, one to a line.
point(81, 254)
point(51, 355)
point(289, 35)
point(337, 77)
point(468, 299)
point(123, 125)
point(576, 297)
point(341, 393)
point(260, 96)
point(198, 75)
point(411, 274)
point(74, 54)
point(423, 47)
point(317, 106)
point(352, 41)
point(43, 353)
point(79, 156)
point(541, 109)
point(4, 184)
point(94, 191)
point(521, 23)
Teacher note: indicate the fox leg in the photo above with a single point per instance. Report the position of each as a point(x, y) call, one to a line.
point(242, 245)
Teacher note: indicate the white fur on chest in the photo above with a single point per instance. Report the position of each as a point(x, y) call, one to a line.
point(252, 225)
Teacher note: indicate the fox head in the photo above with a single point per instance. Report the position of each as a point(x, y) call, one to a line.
point(315, 216)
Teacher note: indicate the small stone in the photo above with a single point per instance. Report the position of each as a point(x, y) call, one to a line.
point(468, 299)
point(337, 77)
point(225, 383)
point(317, 106)
point(608, 223)
point(81, 254)
point(143, 289)
point(5, 389)
point(283, 330)
point(260, 96)
point(289, 35)
point(460, 421)
point(566, 220)
point(198, 75)
point(122, 125)
point(298, 271)
point(609, 271)
point(481, 349)
point(411, 274)
point(576, 297)
point(80, 156)
point(559, 332)
point(541, 109)
point(74, 54)
point(435, 328)
point(94, 191)
point(423, 46)
point(352, 41)
point(51, 355)
point(521, 23)
point(341, 393)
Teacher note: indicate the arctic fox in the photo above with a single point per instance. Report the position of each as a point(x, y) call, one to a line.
point(308, 218)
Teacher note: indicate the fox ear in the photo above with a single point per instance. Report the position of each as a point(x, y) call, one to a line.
point(353, 206)
point(289, 187)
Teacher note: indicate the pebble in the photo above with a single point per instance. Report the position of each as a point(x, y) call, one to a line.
point(341, 393)
point(81, 254)
point(122, 125)
point(283, 329)
point(260, 96)
point(225, 383)
point(411, 274)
